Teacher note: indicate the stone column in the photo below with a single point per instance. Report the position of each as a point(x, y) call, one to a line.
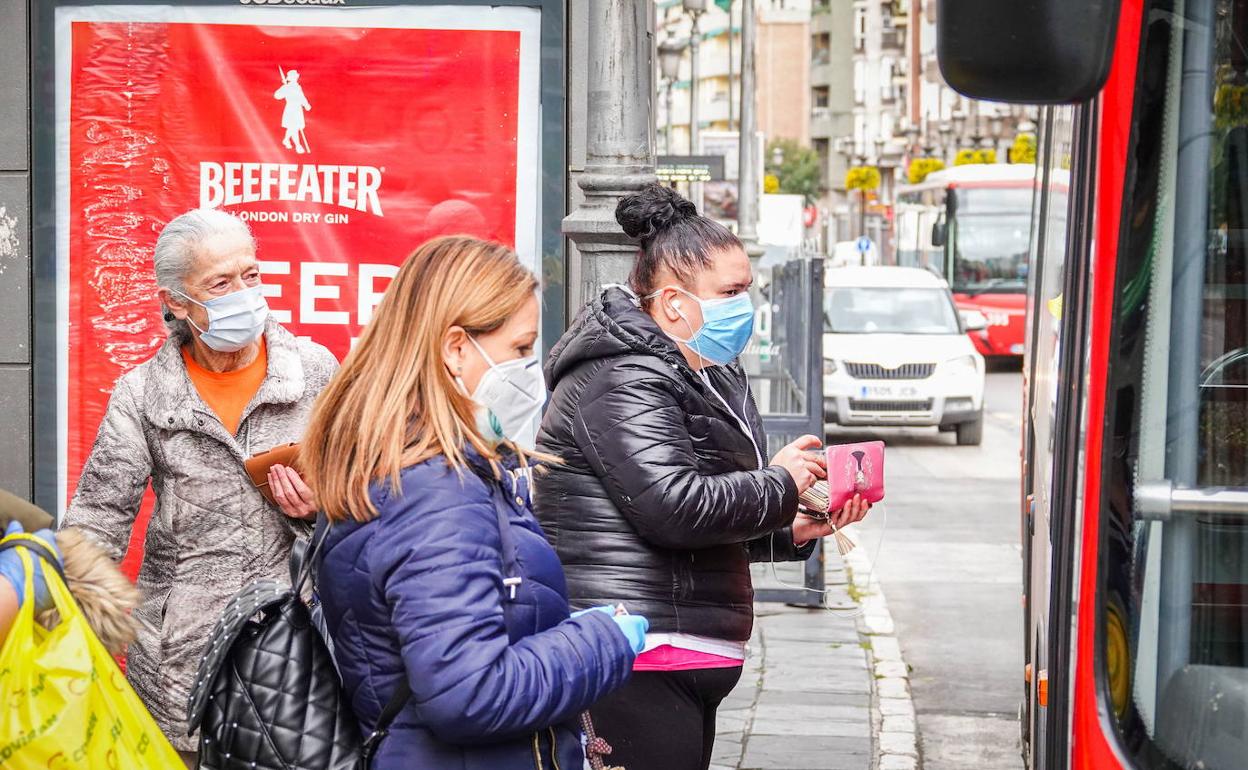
point(619, 144)
point(747, 174)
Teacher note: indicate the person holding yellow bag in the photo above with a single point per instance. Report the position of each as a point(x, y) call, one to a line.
point(13, 577)
point(68, 706)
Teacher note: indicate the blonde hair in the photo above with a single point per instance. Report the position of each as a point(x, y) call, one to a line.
point(394, 403)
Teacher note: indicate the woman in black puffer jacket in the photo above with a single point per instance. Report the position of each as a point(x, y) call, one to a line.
point(665, 497)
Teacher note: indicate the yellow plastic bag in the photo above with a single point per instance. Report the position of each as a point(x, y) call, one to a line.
point(64, 703)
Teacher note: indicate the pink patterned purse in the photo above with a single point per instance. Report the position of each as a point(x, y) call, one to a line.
point(855, 469)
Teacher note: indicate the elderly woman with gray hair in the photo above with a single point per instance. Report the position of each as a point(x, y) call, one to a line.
point(228, 383)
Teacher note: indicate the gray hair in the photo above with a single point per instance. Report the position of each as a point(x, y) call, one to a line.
point(180, 241)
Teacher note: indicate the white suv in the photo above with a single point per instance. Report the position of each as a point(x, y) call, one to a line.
point(895, 352)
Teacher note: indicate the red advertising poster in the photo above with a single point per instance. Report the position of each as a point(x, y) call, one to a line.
point(345, 139)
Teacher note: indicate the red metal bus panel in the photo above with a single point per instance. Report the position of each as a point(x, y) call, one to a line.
point(1092, 743)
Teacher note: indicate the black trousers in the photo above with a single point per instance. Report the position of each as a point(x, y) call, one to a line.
point(664, 720)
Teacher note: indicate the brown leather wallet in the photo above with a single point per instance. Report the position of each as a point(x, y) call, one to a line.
point(258, 466)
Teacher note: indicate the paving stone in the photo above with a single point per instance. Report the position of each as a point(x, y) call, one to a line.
point(766, 752)
point(732, 721)
point(898, 762)
point(806, 687)
point(726, 752)
point(897, 707)
point(885, 648)
point(892, 668)
point(892, 687)
point(800, 680)
point(878, 625)
point(800, 698)
point(813, 711)
point(811, 727)
point(899, 724)
point(898, 743)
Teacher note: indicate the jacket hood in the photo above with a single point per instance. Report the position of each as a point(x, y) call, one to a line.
point(611, 325)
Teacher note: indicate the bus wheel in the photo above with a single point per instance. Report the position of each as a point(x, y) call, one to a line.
point(971, 433)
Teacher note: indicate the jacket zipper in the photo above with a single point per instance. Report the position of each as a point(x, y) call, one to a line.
point(554, 750)
point(537, 753)
point(537, 749)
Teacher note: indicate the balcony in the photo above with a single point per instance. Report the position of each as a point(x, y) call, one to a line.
point(822, 123)
point(893, 39)
point(822, 20)
point(822, 75)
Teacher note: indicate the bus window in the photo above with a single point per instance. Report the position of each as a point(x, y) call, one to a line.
point(990, 232)
point(1174, 588)
point(908, 219)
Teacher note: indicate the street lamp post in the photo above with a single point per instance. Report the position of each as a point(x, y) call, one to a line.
point(731, 75)
point(860, 159)
point(844, 147)
point(695, 8)
point(912, 139)
point(959, 130)
point(669, 65)
point(996, 126)
point(747, 170)
point(619, 151)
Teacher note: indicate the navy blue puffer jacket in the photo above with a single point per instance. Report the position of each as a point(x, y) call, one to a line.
point(418, 592)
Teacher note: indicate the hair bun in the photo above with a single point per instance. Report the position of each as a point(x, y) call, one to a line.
point(655, 208)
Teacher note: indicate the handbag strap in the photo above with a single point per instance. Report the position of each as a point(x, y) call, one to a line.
point(512, 579)
point(398, 699)
point(302, 560)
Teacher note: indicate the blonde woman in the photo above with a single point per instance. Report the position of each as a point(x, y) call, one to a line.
point(434, 574)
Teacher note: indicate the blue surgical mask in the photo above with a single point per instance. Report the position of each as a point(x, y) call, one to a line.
point(727, 324)
point(234, 321)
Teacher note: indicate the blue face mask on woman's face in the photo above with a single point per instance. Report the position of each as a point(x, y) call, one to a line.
point(727, 324)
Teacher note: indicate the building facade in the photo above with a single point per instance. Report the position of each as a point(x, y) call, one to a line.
point(878, 99)
point(783, 91)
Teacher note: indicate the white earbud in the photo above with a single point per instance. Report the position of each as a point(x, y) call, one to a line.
point(676, 304)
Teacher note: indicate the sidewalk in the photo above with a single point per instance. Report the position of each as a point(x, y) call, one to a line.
point(808, 698)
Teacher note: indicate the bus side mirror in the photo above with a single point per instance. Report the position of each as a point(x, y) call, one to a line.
point(940, 233)
point(973, 321)
point(1034, 52)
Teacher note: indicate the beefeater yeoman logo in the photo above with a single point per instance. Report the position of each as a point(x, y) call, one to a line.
point(292, 114)
point(238, 182)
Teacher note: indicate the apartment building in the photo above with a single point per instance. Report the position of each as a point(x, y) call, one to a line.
point(781, 57)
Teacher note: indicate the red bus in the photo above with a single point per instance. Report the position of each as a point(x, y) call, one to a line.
point(1135, 446)
point(971, 223)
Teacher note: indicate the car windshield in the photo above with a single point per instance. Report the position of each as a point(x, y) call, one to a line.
point(888, 311)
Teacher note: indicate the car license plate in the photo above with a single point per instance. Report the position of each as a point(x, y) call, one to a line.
point(889, 391)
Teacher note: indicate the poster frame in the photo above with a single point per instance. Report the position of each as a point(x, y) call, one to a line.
point(45, 356)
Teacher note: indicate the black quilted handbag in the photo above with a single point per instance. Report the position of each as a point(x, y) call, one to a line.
point(268, 696)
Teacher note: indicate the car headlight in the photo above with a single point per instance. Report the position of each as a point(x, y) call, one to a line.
point(962, 365)
point(829, 366)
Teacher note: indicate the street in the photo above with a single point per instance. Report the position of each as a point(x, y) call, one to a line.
point(949, 567)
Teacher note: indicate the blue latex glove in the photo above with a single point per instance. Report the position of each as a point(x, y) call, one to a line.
point(634, 627)
point(11, 568)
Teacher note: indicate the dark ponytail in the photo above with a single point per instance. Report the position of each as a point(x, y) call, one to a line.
point(672, 234)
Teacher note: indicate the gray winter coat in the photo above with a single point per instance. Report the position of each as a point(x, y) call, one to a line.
point(211, 533)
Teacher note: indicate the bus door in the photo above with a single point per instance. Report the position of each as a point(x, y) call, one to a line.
point(1173, 604)
point(1042, 373)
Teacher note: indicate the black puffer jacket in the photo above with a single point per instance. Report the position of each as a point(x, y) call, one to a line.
point(659, 503)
